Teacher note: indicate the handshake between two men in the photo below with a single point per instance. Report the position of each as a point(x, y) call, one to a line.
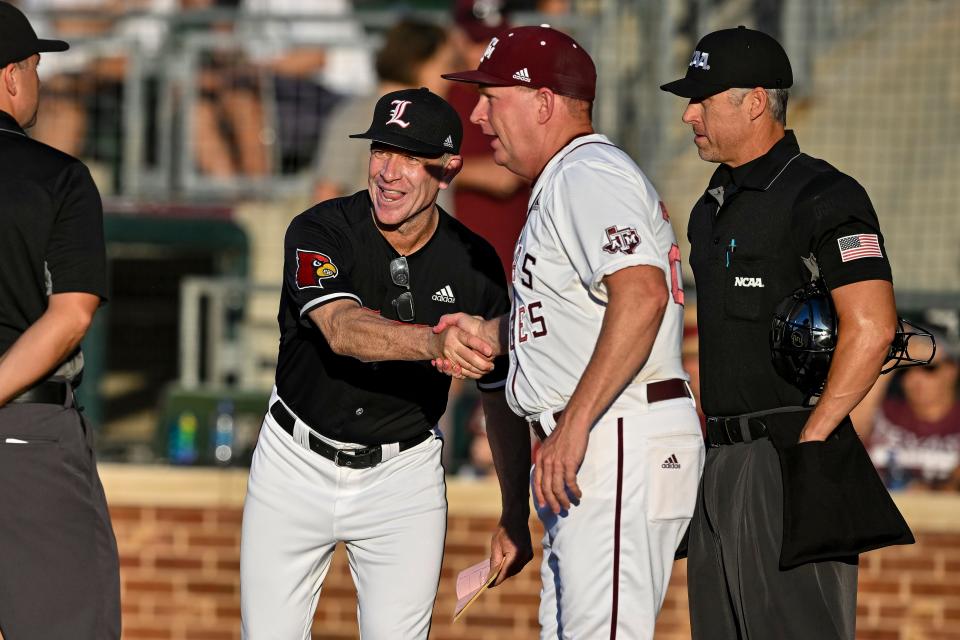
point(468, 344)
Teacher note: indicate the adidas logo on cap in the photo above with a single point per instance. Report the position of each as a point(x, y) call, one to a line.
point(671, 462)
point(448, 142)
point(444, 295)
point(523, 75)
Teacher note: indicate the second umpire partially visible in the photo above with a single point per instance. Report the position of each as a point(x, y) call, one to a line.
point(59, 572)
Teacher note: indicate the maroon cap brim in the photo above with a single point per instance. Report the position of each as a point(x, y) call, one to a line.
point(479, 77)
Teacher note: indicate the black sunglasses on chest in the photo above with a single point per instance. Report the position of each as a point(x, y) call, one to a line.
point(400, 274)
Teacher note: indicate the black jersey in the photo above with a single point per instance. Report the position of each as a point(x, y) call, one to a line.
point(51, 230)
point(752, 235)
point(334, 251)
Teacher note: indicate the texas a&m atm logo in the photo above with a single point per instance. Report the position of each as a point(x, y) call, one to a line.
point(312, 267)
point(622, 240)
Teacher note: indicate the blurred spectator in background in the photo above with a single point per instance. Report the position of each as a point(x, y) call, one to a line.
point(914, 436)
point(68, 79)
point(546, 7)
point(314, 53)
point(414, 54)
point(229, 116)
point(488, 198)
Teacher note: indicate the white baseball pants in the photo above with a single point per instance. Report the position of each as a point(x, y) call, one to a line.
point(607, 561)
point(392, 517)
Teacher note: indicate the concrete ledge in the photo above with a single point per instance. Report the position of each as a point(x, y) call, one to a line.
point(164, 486)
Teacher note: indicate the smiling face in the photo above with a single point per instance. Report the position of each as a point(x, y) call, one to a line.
point(509, 115)
point(403, 185)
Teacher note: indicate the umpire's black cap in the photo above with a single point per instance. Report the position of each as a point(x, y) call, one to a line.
point(415, 120)
point(741, 58)
point(18, 40)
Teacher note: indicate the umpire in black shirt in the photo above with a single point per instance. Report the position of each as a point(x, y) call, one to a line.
point(59, 573)
point(349, 451)
point(770, 218)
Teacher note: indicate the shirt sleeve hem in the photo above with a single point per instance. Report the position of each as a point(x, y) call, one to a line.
point(492, 386)
point(835, 282)
point(623, 263)
point(330, 297)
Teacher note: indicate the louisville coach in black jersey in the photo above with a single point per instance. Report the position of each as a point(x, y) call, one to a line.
point(349, 451)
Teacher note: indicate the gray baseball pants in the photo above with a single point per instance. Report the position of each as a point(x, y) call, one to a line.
point(736, 588)
point(59, 571)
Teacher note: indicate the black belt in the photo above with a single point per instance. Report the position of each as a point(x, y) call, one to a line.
point(656, 392)
point(47, 392)
point(353, 458)
point(743, 428)
point(722, 431)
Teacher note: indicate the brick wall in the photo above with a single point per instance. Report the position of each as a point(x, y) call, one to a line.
point(179, 553)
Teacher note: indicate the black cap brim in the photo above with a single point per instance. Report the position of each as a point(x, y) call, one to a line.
point(404, 142)
point(44, 46)
point(690, 88)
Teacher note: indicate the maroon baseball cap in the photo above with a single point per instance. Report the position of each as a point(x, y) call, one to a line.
point(535, 57)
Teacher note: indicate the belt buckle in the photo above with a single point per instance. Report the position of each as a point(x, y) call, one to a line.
point(726, 430)
point(341, 462)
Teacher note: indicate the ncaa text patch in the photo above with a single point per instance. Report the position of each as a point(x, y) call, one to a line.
point(312, 267)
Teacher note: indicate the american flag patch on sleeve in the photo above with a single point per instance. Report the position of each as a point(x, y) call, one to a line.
point(862, 245)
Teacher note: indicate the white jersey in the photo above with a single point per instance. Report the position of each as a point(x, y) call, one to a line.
point(592, 212)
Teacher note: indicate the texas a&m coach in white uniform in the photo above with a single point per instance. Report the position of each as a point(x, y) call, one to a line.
point(594, 343)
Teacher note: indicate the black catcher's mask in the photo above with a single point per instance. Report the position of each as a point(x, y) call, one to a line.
point(804, 334)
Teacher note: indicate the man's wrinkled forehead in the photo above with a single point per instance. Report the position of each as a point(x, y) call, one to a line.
point(382, 146)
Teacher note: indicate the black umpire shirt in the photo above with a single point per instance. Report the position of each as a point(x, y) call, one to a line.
point(752, 234)
point(334, 251)
point(51, 230)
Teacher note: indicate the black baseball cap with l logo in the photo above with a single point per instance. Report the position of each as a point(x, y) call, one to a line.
point(18, 40)
point(734, 58)
point(415, 120)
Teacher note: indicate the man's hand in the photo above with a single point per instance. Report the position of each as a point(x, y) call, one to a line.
point(510, 543)
point(471, 356)
point(470, 324)
point(473, 325)
point(556, 465)
point(808, 435)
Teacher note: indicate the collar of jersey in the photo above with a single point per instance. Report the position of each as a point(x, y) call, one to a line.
point(569, 148)
point(9, 124)
point(766, 168)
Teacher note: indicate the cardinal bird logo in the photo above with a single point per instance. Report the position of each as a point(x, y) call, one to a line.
point(312, 267)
